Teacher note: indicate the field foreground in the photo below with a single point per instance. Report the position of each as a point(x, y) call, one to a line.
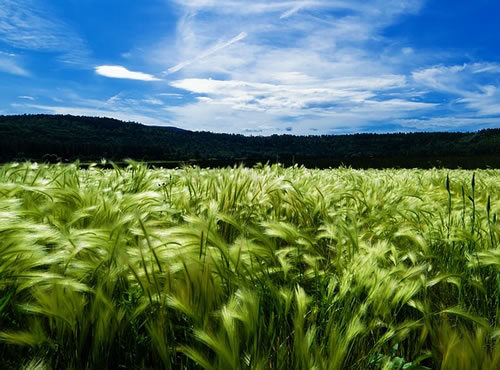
point(264, 268)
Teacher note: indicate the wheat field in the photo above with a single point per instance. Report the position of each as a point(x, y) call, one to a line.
point(248, 268)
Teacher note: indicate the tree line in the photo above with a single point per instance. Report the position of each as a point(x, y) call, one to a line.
point(67, 138)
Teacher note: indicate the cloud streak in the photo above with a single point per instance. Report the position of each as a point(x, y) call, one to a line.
point(207, 53)
point(295, 9)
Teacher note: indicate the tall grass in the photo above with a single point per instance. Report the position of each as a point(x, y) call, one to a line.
point(238, 268)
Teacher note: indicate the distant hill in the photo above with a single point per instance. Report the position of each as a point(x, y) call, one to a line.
point(66, 137)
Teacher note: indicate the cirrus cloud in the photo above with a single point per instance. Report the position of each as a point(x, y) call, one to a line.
point(30, 25)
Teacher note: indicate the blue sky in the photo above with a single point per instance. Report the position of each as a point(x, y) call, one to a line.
point(256, 67)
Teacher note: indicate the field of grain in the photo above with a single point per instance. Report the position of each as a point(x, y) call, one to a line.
point(238, 268)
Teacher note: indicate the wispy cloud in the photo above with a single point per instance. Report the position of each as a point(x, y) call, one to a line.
point(476, 85)
point(27, 24)
point(9, 64)
point(344, 104)
point(484, 103)
point(122, 72)
point(87, 111)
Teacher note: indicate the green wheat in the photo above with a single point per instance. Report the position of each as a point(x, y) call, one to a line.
point(239, 268)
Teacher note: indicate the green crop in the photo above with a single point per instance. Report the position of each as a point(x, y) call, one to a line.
point(238, 268)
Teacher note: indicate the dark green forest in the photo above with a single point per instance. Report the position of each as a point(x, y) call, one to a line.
point(54, 138)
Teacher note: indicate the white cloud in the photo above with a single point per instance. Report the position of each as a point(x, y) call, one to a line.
point(393, 106)
point(292, 98)
point(443, 78)
point(476, 85)
point(336, 105)
point(26, 97)
point(122, 72)
point(485, 103)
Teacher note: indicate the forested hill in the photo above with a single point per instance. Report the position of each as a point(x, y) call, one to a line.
point(64, 137)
